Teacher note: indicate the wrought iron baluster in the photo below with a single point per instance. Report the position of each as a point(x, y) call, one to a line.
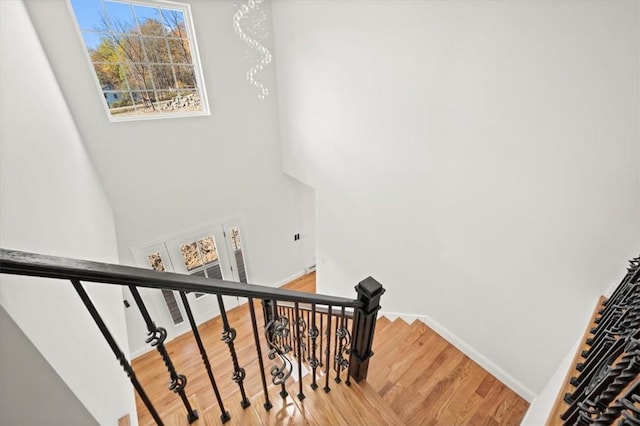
point(276, 333)
point(299, 338)
point(321, 334)
point(613, 412)
point(224, 414)
point(328, 350)
point(308, 347)
point(632, 271)
point(313, 334)
point(615, 380)
point(267, 405)
point(336, 342)
point(124, 363)
point(157, 336)
point(343, 342)
point(228, 336)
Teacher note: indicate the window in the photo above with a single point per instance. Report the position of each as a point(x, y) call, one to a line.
point(201, 258)
point(144, 57)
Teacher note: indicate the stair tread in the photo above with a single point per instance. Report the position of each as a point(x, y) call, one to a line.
point(315, 408)
point(389, 335)
point(392, 353)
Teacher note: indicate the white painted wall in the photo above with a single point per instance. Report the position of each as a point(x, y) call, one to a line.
point(480, 159)
point(165, 177)
point(25, 376)
point(52, 202)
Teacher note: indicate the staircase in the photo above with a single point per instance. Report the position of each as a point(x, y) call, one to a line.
point(287, 356)
point(415, 377)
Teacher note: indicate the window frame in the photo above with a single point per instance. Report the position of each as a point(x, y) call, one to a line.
point(200, 88)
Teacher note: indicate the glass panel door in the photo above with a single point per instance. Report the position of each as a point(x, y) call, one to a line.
point(236, 252)
point(197, 253)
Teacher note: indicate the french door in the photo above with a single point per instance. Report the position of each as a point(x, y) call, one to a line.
point(216, 251)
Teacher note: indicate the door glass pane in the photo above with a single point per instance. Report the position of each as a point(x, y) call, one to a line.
point(191, 255)
point(236, 245)
point(208, 249)
point(156, 263)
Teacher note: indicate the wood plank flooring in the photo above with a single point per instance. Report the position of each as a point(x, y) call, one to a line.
point(415, 377)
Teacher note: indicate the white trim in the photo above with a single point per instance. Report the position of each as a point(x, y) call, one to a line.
point(469, 351)
point(140, 352)
point(289, 279)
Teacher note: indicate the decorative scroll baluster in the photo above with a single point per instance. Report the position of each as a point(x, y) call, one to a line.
point(327, 389)
point(632, 276)
point(308, 346)
point(267, 405)
point(616, 379)
point(343, 340)
point(300, 326)
point(228, 336)
point(313, 334)
point(224, 415)
point(116, 350)
point(613, 412)
point(157, 336)
point(321, 334)
point(277, 331)
point(302, 333)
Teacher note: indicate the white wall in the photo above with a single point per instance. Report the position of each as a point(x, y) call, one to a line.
point(480, 159)
point(26, 377)
point(164, 177)
point(52, 202)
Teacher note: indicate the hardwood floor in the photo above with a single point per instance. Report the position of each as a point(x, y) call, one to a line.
point(415, 377)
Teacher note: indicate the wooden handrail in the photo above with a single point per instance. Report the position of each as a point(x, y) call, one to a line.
point(38, 265)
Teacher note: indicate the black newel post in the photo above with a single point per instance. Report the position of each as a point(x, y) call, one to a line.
point(364, 325)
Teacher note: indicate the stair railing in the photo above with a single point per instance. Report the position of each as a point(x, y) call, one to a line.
point(603, 385)
point(298, 326)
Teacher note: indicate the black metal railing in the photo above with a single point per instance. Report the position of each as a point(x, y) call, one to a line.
point(606, 386)
point(301, 330)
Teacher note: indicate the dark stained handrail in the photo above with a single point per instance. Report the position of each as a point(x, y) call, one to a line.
point(38, 265)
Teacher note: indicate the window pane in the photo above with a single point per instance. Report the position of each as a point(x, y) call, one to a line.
point(155, 261)
point(191, 255)
point(148, 15)
point(162, 77)
point(130, 48)
point(179, 48)
point(208, 249)
point(93, 40)
point(120, 17)
point(185, 77)
point(156, 50)
point(109, 76)
point(87, 13)
point(186, 100)
point(174, 21)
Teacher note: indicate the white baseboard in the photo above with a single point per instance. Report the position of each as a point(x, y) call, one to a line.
point(469, 351)
point(140, 352)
